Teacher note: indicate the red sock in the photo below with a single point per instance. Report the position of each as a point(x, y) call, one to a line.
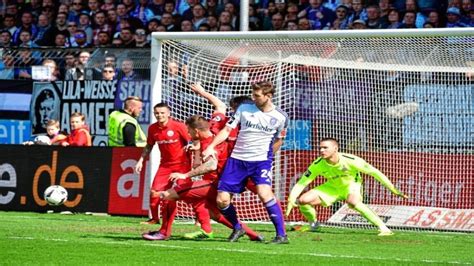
point(202, 215)
point(154, 203)
point(169, 212)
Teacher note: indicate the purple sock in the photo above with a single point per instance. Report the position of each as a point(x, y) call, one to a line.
point(276, 215)
point(231, 215)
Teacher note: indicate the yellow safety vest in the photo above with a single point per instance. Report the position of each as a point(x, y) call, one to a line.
point(117, 121)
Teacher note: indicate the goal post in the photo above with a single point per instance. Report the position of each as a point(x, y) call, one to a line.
point(401, 99)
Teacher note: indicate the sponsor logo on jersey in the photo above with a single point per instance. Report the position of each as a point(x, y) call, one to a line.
point(167, 141)
point(259, 127)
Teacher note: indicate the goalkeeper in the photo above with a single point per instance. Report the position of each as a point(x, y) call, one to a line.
point(343, 182)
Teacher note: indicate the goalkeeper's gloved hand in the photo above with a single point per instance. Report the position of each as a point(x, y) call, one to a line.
point(401, 194)
point(289, 206)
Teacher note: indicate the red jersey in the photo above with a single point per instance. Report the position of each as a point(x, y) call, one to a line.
point(80, 137)
point(217, 123)
point(171, 139)
point(222, 156)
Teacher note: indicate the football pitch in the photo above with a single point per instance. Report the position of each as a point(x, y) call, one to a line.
point(40, 238)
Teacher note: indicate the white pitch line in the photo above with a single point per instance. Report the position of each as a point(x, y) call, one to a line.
point(171, 246)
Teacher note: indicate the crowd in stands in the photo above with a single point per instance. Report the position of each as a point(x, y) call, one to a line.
point(128, 23)
point(89, 24)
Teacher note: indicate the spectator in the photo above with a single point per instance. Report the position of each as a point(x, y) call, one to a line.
point(108, 5)
point(291, 12)
point(384, 7)
point(117, 42)
point(234, 15)
point(142, 12)
point(108, 72)
point(68, 63)
point(78, 72)
point(80, 135)
point(76, 9)
point(466, 9)
point(72, 28)
point(157, 7)
point(93, 7)
point(80, 40)
point(409, 20)
point(61, 25)
point(63, 8)
point(454, 18)
point(188, 12)
point(128, 72)
point(359, 24)
point(26, 24)
point(304, 24)
point(225, 27)
point(25, 40)
point(358, 11)
point(342, 18)
point(128, 39)
point(373, 18)
point(170, 8)
point(129, 5)
point(103, 39)
point(60, 40)
point(167, 21)
point(204, 27)
point(100, 24)
point(393, 19)
point(53, 69)
point(212, 22)
point(112, 19)
point(12, 10)
point(198, 16)
point(420, 18)
point(49, 12)
point(141, 38)
point(9, 23)
point(277, 22)
point(121, 12)
point(226, 18)
point(85, 25)
point(8, 70)
point(291, 25)
point(186, 25)
point(319, 15)
point(54, 135)
point(44, 36)
point(433, 18)
point(5, 39)
point(428, 25)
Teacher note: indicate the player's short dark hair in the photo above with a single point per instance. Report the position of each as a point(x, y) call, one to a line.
point(265, 86)
point(197, 122)
point(162, 104)
point(236, 101)
point(332, 140)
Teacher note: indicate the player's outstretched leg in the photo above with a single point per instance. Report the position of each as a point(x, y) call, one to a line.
point(373, 218)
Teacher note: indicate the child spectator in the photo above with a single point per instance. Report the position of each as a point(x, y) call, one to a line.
point(54, 135)
point(80, 135)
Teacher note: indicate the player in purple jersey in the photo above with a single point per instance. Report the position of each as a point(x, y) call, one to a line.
point(262, 129)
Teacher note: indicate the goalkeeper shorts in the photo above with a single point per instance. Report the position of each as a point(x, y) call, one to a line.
point(330, 193)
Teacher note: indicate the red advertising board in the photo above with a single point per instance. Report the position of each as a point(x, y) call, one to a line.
point(128, 191)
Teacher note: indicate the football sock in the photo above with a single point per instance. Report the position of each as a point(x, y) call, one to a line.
point(169, 212)
point(154, 203)
point(369, 215)
point(276, 215)
point(231, 215)
point(309, 212)
point(202, 215)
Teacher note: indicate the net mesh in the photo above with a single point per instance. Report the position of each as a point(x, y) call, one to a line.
point(405, 104)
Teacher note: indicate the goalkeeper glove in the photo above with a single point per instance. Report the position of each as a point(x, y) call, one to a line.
point(400, 194)
point(291, 204)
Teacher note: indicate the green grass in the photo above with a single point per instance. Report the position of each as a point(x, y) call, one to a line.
point(38, 238)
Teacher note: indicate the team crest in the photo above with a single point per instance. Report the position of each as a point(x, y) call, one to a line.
point(273, 121)
point(170, 133)
point(217, 118)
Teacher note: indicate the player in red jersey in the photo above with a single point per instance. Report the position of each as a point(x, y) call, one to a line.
point(203, 193)
point(172, 138)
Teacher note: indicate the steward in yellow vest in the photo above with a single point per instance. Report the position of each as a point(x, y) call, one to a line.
point(124, 129)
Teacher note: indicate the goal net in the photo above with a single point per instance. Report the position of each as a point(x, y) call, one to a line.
point(403, 100)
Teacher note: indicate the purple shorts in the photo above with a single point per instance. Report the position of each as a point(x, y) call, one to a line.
point(234, 177)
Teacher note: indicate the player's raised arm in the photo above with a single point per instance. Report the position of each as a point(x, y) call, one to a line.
point(219, 106)
point(367, 168)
